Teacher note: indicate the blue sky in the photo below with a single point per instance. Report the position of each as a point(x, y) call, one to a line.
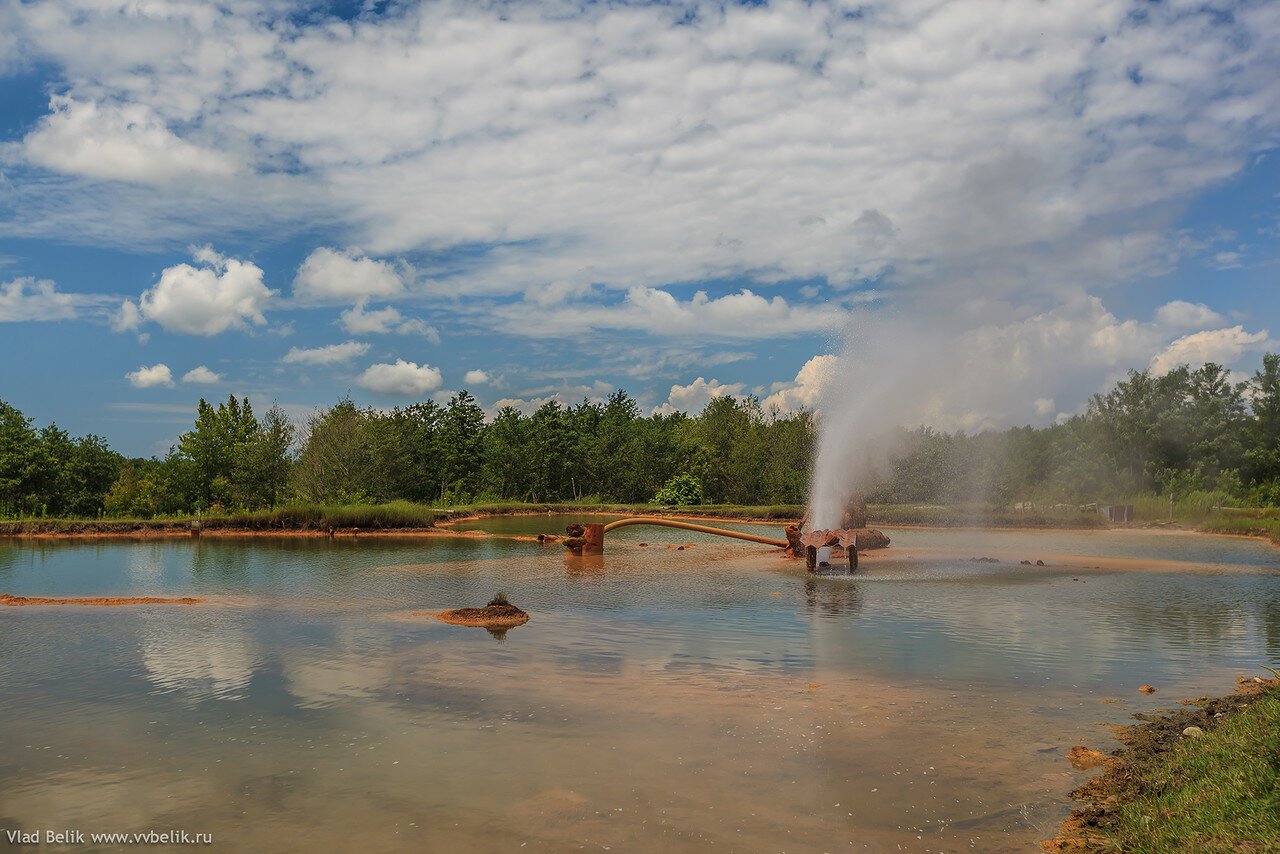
point(534, 201)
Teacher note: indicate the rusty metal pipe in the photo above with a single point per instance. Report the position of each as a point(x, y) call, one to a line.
point(690, 526)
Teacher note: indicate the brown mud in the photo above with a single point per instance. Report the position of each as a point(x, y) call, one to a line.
point(100, 601)
point(493, 616)
point(1141, 745)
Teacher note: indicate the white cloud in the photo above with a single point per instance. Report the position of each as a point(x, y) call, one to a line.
point(1227, 260)
point(1045, 406)
point(694, 397)
point(733, 316)
point(476, 378)
point(127, 318)
point(359, 321)
point(330, 275)
point(223, 294)
point(1181, 315)
point(805, 392)
point(32, 299)
point(330, 354)
point(404, 378)
point(201, 375)
point(146, 377)
point(119, 142)
point(1223, 346)
point(620, 145)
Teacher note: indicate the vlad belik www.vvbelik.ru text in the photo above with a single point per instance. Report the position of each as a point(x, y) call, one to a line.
point(81, 837)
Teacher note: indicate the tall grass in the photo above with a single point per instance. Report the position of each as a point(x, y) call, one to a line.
point(1215, 792)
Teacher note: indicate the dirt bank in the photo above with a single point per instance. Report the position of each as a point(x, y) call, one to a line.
point(492, 616)
point(1129, 769)
point(100, 601)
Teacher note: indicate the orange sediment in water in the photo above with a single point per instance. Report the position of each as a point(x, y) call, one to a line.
point(101, 601)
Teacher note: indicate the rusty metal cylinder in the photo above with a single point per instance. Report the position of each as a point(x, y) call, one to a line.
point(593, 533)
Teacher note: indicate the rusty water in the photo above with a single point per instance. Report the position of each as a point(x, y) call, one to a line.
point(659, 699)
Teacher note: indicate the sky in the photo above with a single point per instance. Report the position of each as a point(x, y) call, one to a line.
point(390, 201)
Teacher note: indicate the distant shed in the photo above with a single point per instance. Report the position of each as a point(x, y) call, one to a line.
point(1116, 513)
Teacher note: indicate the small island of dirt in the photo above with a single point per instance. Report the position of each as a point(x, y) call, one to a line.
point(498, 614)
point(100, 601)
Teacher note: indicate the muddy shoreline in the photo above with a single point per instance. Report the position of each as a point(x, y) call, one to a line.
point(447, 526)
point(1127, 768)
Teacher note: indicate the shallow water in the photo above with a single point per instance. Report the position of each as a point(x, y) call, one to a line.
point(658, 699)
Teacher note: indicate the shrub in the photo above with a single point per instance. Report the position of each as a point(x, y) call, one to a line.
point(680, 490)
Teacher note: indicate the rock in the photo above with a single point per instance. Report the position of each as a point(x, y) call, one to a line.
point(1146, 689)
point(1082, 758)
point(1193, 731)
point(1039, 563)
point(1025, 562)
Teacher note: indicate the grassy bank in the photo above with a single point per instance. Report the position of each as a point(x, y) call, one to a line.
point(1169, 792)
point(396, 515)
point(405, 515)
point(1250, 522)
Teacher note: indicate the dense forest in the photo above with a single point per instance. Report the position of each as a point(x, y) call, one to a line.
point(1190, 431)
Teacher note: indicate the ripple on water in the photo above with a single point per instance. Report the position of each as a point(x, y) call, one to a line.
point(656, 700)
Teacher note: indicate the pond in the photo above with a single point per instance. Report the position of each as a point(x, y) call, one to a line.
point(659, 699)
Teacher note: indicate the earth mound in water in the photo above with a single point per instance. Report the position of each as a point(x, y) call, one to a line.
point(100, 601)
point(495, 615)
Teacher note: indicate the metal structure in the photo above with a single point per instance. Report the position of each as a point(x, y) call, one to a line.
point(820, 549)
point(690, 526)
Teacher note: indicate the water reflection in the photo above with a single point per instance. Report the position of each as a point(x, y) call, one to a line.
point(206, 655)
point(658, 699)
point(832, 598)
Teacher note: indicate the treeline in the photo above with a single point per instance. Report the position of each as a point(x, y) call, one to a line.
point(732, 453)
point(1186, 432)
point(47, 472)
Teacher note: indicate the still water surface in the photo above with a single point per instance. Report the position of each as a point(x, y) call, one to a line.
point(658, 699)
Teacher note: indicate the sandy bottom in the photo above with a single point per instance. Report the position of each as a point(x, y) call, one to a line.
point(101, 601)
point(1051, 560)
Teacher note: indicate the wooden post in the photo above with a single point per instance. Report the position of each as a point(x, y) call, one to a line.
point(811, 557)
point(852, 552)
point(593, 533)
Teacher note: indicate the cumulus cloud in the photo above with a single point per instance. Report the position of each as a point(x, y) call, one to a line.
point(1223, 346)
point(331, 275)
point(127, 317)
point(359, 321)
point(331, 354)
point(156, 375)
point(805, 391)
point(640, 145)
point(221, 294)
point(119, 142)
point(403, 378)
point(742, 315)
point(1181, 314)
point(201, 375)
point(476, 377)
point(34, 299)
point(692, 398)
